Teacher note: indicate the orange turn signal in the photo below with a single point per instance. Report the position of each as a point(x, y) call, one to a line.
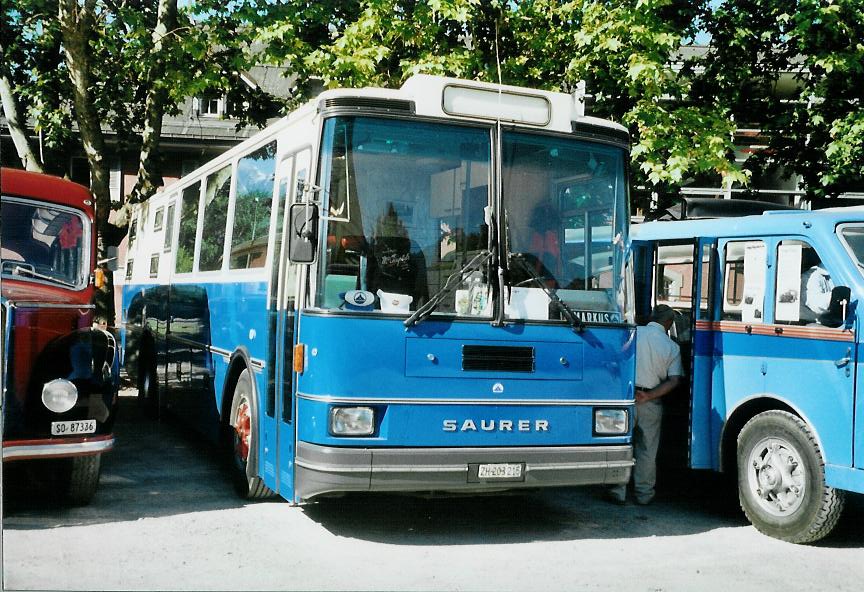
point(98, 278)
point(299, 358)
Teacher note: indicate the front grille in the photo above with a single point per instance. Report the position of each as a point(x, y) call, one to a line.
point(497, 358)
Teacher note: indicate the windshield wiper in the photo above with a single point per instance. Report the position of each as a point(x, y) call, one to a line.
point(572, 318)
point(433, 302)
point(19, 270)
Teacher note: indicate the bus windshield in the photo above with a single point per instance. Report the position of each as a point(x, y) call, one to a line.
point(565, 204)
point(404, 208)
point(44, 243)
point(403, 204)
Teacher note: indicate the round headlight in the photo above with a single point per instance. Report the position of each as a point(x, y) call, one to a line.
point(59, 395)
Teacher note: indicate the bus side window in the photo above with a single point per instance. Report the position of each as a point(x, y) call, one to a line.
point(674, 285)
point(215, 219)
point(803, 285)
point(252, 208)
point(188, 225)
point(169, 228)
point(744, 281)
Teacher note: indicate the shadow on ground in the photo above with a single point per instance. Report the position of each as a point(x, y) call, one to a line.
point(156, 469)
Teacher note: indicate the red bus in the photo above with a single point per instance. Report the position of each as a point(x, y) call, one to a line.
point(59, 373)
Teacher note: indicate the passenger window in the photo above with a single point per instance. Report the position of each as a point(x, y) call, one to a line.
point(744, 281)
point(803, 285)
point(215, 217)
point(158, 219)
point(674, 285)
point(169, 228)
point(188, 224)
point(252, 206)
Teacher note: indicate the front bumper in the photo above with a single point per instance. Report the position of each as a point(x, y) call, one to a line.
point(54, 448)
point(325, 469)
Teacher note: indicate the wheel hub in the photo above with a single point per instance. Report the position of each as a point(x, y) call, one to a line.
point(777, 478)
point(242, 431)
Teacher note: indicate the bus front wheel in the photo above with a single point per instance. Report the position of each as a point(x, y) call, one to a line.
point(781, 479)
point(243, 426)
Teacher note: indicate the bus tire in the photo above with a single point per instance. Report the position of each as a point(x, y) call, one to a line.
point(82, 479)
point(242, 424)
point(781, 479)
point(148, 387)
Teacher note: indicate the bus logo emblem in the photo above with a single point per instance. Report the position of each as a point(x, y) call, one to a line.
point(497, 388)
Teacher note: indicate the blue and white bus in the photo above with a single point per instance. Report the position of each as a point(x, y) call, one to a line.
point(415, 290)
point(770, 336)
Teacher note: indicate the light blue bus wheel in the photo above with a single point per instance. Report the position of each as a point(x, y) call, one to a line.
point(781, 479)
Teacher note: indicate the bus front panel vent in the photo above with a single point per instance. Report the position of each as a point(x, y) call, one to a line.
point(497, 358)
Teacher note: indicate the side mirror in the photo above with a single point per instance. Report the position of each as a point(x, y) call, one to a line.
point(302, 233)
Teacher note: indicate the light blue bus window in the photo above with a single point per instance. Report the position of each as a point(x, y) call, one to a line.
point(252, 206)
point(803, 285)
point(744, 281)
point(215, 218)
point(188, 225)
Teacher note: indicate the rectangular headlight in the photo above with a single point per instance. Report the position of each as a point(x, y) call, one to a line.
point(610, 422)
point(352, 421)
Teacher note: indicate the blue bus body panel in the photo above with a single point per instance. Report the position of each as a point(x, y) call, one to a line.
point(423, 383)
point(800, 366)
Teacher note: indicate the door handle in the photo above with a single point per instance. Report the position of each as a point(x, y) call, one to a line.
point(843, 361)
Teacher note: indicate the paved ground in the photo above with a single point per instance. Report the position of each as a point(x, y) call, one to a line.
point(165, 518)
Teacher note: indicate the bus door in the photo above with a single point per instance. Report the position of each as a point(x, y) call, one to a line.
point(811, 363)
point(676, 283)
point(703, 453)
point(277, 421)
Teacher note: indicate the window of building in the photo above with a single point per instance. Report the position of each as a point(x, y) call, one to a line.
point(158, 219)
point(154, 266)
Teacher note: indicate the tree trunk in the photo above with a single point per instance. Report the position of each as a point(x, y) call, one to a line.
point(149, 177)
point(77, 27)
point(76, 24)
point(17, 128)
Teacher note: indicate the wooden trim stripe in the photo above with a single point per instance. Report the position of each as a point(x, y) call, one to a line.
point(788, 331)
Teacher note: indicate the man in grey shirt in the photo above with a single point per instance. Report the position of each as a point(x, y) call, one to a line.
point(658, 372)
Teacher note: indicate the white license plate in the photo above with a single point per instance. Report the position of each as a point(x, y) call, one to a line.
point(71, 428)
point(499, 471)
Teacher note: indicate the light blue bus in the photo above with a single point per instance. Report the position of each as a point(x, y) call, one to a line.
point(770, 335)
point(416, 290)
